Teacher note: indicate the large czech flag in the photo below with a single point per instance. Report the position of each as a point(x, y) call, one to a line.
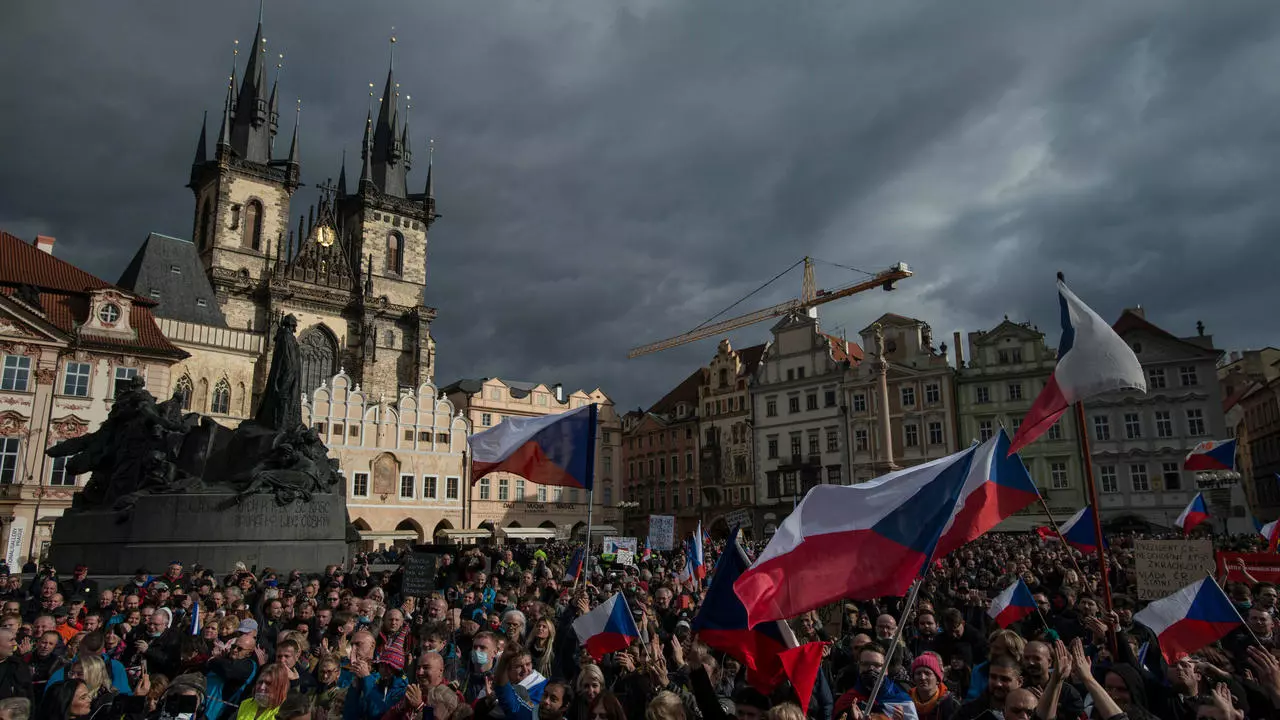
point(1195, 616)
point(997, 487)
point(548, 450)
point(1092, 359)
point(855, 542)
point(1211, 455)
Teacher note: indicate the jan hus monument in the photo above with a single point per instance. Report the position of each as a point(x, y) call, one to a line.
point(167, 485)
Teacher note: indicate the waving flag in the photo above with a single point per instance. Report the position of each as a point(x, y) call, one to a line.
point(1195, 616)
point(195, 618)
point(857, 542)
point(1211, 455)
point(1092, 359)
point(608, 628)
point(548, 450)
point(1078, 531)
point(574, 568)
point(891, 697)
point(697, 561)
point(997, 487)
point(1012, 605)
point(1195, 513)
point(1271, 533)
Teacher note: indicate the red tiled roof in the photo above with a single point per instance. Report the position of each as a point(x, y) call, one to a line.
point(842, 350)
point(64, 297)
point(686, 391)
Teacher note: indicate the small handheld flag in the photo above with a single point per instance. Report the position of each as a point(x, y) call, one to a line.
point(1195, 513)
point(1078, 531)
point(1012, 605)
point(608, 628)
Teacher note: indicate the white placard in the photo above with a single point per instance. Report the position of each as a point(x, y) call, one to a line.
point(662, 531)
point(13, 551)
point(625, 557)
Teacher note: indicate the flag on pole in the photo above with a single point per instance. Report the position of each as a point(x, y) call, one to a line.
point(1092, 359)
point(857, 542)
point(607, 628)
point(548, 450)
point(697, 561)
point(1211, 455)
point(1195, 513)
point(574, 568)
point(997, 487)
point(195, 618)
point(1012, 605)
point(1271, 533)
point(1197, 615)
point(1078, 531)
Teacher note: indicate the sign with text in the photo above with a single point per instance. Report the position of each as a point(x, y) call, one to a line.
point(612, 545)
point(420, 574)
point(738, 518)
point(1262, 567)
point(625, 557)
point(662, 532)
point(1166, 566)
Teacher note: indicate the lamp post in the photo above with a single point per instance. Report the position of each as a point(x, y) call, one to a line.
point(1218, 485)
point(624, 506)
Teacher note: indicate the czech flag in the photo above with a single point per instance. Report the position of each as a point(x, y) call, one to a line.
point(1195, 513)
point(1193, 617)
point(1012, 605)
point(997, 487)
point(195, 618)
point(548, 450)
point(857, 542)
point(1211, 455)
point(1092, 359)
point(574, 569)
point(697, 560)
point(1079, 532)
point(1271, 533)
point(608, 628)
point(722, 624)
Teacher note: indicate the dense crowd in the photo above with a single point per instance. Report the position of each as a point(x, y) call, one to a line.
point(495, 640)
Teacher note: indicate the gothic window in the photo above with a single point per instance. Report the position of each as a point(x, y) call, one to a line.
point(251, 231)
point(205, 231)
point(183, 390)
point(221, 404)
point(319, 350)
point(395, 253)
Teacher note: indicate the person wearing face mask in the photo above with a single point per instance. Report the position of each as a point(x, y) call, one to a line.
point(157, 643)
point(479, 674)
point(269, 692)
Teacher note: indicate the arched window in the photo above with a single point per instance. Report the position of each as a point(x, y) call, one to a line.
point(251, 231)
point(184, 390)
point(319, 350)
point(395, 253)
point(204, 232)
point(221, 404)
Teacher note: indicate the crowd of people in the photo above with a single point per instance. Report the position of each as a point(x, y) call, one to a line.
point(495, 639)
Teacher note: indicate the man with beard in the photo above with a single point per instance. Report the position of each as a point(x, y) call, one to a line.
point(1004, 675)
point(1036, 673)
point(155, 642)
point(870, 665)
point(555, 701)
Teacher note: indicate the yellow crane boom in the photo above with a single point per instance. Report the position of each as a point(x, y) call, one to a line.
point(883, 279)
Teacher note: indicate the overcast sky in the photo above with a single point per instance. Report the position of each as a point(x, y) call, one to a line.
point(613, 172)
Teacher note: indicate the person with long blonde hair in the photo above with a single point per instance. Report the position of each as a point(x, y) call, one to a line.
point(269, 692)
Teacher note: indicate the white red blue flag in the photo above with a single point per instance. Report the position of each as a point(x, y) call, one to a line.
point(1211, 455)
point(697, 560)
point(1271, 533)
point(548, 450)
point(607, 628)
point(1079, 531)
point(574, 569)
point(1014, 604)
point(1197, 615)
point(1092, 359)
point(1195, 513)
point(997, 487)
point(855, 542)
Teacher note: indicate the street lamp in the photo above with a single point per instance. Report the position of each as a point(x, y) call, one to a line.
point(624, 506)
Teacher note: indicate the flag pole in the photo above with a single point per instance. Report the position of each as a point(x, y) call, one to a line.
point(897, 635)
point(1092, 489)
point(1052, 523)
point(591, 488)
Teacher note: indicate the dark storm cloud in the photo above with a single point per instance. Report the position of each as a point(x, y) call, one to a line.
point(612, 173)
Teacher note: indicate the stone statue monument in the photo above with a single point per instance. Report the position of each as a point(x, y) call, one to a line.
point(166, 485)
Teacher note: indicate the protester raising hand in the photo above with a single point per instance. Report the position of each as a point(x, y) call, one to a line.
point(1267, 669)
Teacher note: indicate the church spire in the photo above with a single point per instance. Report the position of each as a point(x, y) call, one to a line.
point(366, 152)
point(202, 152)
point(252, 128)
point(388, 162)
point(293, 146)
point(429, 195)
point(342, 175)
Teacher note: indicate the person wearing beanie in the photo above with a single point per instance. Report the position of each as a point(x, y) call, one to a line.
point(928, 692)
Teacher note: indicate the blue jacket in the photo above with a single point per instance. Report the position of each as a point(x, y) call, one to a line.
point(366, 700)
point(513, 706)
point(119, 678)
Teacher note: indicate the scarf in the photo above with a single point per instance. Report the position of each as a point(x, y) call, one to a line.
point(927, 707)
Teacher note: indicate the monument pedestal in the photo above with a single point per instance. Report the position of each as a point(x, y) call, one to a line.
point(193, 528)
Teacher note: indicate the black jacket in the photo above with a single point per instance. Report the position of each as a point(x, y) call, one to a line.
point(15, 679)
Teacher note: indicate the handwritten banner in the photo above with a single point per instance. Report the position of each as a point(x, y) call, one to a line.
point(1166, 566)
point(662, 531)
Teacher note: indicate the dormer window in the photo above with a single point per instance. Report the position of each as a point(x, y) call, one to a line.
point(109, 314)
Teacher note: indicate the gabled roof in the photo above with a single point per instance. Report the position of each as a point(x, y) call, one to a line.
point(167, 269)
point(1131, 321)
point(844, 351)
point(891, 319)
point(686, 392)
point(64, 291)
point(750, 358)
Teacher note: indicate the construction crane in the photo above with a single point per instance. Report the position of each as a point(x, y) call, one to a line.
point(810, 297)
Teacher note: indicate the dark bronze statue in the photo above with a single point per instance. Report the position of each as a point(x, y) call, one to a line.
point(281, 406)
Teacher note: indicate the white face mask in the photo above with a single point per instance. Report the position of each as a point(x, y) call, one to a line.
point(261, 698)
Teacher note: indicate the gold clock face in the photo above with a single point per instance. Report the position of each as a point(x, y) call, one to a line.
point(325, 235)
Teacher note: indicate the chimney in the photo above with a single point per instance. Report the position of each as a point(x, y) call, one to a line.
point(955, 337)
point(1137, 311)
point(558, 390)
point(45, 243)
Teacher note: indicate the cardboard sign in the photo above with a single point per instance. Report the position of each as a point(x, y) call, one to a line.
point(1263, 567)
point(1166, 566)
point(419, 574)
point(662, 531)
point(613, 544)
point(740, 518)
point(625, 557)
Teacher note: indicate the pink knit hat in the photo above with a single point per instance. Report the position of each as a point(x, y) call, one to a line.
point(928, 661)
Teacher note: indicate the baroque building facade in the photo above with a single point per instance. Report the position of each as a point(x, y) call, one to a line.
point(901, 400)
point(1250, 384)
point(1007, 368)
point(660, 449)
point(68, 341)
point(727, 456)
point(503, 506)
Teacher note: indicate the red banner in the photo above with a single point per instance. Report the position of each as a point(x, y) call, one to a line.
point(1264, 567)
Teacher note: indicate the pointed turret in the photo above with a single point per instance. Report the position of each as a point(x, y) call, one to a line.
point(388, 162)
point(224, 133)
point(293, 146)
point(202, 152)
point(366, 152)
point(342, 176)
point(252, 128)
point(429, 194)
point(404, 144)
